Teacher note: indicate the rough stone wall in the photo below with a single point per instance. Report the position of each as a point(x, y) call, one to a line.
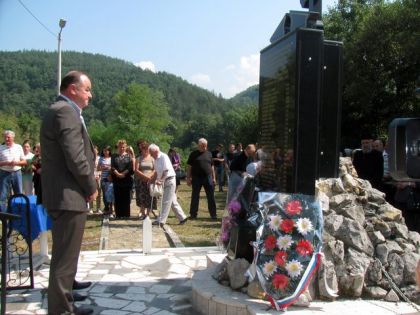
point(363, 234)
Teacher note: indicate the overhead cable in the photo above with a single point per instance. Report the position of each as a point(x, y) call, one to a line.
point(33, 15)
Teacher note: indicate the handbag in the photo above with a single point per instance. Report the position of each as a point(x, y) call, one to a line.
point(155, 190)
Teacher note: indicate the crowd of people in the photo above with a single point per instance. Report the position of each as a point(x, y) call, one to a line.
point(20, 168)
point(118, 173)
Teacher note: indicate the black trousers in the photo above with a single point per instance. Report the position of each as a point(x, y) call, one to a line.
point(122, 196)
point(197, 183)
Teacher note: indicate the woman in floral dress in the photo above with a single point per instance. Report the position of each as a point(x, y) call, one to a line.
point(144, 171)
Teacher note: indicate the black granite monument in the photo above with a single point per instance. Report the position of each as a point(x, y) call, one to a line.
point(300, 104)
point(299, 111)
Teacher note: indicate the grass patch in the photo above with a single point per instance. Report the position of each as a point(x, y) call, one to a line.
point(92, 234)
point(203, 231)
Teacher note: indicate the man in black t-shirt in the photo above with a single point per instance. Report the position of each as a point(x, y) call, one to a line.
point(369, 163)
point(200, 173)
point(229, 156)
point(218, 162)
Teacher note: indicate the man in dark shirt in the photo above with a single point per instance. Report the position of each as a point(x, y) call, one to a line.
point(369, 163)
point(218, 162)
point(200, 172)
point(238, 169)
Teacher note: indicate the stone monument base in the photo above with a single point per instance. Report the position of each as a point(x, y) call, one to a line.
point(211, 298)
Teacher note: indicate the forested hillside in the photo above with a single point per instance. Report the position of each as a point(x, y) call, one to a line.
point(28, 85)
point(249, 96)
point(381, 73)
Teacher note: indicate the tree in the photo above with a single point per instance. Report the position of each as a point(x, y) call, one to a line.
point(139, 112)
point(29, 126)
point(381, 45)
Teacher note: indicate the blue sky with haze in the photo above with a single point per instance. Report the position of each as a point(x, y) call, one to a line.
point(214, 44)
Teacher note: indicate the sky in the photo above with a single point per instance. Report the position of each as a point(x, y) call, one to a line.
point(214, 44)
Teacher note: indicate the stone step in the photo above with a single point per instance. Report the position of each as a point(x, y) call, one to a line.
point(211, 298)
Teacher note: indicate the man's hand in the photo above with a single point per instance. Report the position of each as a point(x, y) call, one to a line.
point(92, 197)
point(189, 181)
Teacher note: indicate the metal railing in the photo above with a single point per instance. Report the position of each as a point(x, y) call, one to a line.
point(4, 217)
point(16, 247)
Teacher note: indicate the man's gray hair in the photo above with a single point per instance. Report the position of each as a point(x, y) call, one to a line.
point(9, 132)
point(153, 147)
point(202, 140)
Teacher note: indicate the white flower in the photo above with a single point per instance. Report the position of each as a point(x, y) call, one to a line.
point(269, 268)
point(294, 268)
point(275, 221)
point(284, 242)
point(304, 226)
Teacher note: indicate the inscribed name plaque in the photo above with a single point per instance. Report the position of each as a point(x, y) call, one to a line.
point(289, 109)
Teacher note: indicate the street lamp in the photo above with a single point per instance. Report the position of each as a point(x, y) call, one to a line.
point(62, 23)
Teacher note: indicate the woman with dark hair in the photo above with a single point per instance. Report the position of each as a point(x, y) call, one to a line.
point(143, 172)
point(121, 171)
point(27, 169)
point(104, 165)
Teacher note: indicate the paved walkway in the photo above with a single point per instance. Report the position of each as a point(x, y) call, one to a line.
point(125, 282)
point(128, 282)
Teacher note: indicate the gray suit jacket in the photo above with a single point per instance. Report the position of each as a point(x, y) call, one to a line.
point(68, 159)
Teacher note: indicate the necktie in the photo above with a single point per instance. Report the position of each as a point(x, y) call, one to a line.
point(83, 122)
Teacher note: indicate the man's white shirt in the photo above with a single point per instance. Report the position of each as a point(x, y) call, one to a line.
point(162, 164)
point(12, 153)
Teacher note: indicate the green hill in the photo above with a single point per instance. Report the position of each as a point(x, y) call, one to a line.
point(249, 96)
point(28, 86)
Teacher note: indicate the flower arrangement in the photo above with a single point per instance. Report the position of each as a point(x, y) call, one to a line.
point(288, 245)
point(234, 209)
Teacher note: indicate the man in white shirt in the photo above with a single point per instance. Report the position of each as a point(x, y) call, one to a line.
point(11, 161)
point(165, 175)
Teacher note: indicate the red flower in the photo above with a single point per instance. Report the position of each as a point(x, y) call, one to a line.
point(304, 248)
point(280, 258)
point(294, 207)
point(287, 225)
point(280, 281)
point(270, 242)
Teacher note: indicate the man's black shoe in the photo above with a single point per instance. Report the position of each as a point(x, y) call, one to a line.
point(214, 217)
point(192, 217)
point(183, 221)
point(78, 297)
point(83, 311)
point(81, 285)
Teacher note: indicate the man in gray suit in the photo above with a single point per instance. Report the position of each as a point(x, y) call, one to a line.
point(68, 184)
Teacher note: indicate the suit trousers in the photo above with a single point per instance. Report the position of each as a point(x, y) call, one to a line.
point(67, 235)
point(169, 201)
point(197, 183)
